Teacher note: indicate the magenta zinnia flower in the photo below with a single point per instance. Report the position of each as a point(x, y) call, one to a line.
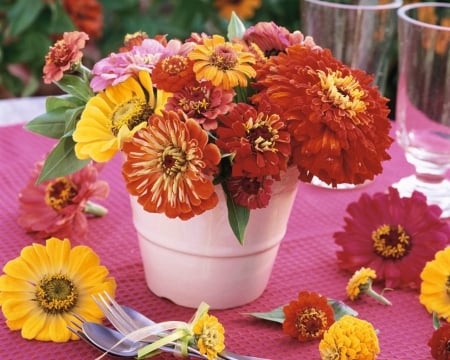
point(392, 235)
point(59, 207)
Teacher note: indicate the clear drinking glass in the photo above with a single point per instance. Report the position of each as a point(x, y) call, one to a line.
point(360, 33)
point(423, 99)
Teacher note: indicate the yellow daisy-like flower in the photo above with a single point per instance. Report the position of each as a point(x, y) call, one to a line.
point(225, 64)
point(361, 283)
point(112, 116)
point(210, 335)
point(43, 287)
point(349, 338)
point(360, 278)
point(435, 286)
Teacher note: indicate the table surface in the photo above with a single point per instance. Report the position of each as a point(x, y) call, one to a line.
point(306, 260)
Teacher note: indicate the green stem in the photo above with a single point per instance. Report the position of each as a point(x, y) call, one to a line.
point(95, 209)
point(378, 297)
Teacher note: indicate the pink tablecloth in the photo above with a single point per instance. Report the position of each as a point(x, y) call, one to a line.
point(306, 261)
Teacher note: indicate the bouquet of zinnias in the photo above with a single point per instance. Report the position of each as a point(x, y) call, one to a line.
point(190, 115)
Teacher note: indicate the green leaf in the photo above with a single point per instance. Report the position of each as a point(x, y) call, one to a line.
point(72, 116)
point(75, 86)
point(60, 20)
point(23, 14)
point(61, 161)
point(238, 217)
point(340, 309)
point(51, 124)
point(275, 315)
point(64, 101)
point(436, 321)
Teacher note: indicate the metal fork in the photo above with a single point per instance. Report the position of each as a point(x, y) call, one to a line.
point(125, 324)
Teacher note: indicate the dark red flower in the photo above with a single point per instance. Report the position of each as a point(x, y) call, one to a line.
point(440, 343)
point(252, 193)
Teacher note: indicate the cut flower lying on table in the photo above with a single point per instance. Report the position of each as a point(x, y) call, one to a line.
point(207, 111)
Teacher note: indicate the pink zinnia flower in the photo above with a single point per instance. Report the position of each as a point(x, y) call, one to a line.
point(63, 55)
point(392, 235)
point(202, 102)
point(272, 38)
point(58, 207)
point(116, 68)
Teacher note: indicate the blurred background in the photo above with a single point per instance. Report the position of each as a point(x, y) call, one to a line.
point(29, 27)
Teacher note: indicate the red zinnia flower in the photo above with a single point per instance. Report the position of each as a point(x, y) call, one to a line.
point(331, 111)
point(57, 208)
point(258, 141)
point(173, 73)
point(253, 193)
point(65, 53)
point(308, 317)
point(392, 235)
point(440, 343)
point(87, 16)
point(169, 167)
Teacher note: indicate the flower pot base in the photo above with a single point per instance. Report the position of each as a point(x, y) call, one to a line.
point(200, 260)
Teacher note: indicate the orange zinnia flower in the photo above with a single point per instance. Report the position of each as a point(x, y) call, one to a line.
point(225, 64)
point(331, 110)
point(244, 9)
point(169, 167)
point(87, 16)
point(63, 55)
point(308, 317)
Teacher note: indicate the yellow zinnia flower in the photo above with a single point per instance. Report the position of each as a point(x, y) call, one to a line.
point(361, 283)
point(112, 116)
point(210, 335)
point(435, 286)
point(349, 338)
point(225, 64)
point(43, 287)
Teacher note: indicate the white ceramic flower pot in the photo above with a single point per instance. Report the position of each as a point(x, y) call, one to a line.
point(201, 260)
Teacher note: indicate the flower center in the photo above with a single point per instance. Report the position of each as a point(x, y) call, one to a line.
point(174, 64)
point(60, 193)
point(224, 57)
point(447, 285)
point(311, 323)
point(260, 134)
point(174, 161)
point(59, 54)
point(391, 242)
point(130, 113)
point(197, 101)
point(56, 294)
point(210, 337)
point(344, 93)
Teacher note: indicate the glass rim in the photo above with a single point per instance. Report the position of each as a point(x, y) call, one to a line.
point(394, 4)
point(402, 14)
